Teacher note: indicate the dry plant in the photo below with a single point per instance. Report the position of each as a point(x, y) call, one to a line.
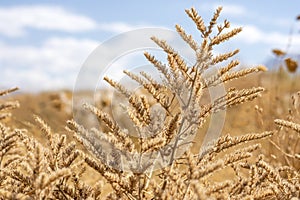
point(186, 176)
point(8, 138)
point(166, 115)
point(31, 170)
point(8, 105)
point(287, 137)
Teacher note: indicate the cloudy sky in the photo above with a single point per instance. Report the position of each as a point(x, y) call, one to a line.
point(43, 44)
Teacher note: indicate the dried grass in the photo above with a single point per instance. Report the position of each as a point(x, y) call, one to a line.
point(30, 169)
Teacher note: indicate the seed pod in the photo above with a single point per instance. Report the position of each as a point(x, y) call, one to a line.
point(291, 64)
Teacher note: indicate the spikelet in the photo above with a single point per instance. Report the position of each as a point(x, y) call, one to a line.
point(218, 187)
point(158, 94)
point(214, 78)
point(158, 65)
point(213, 21)
point(288, 124)
point(151, 81)
point(110, 123)
point(118, 86)
point(152, 144)
point(235, 75)
point(193, 14)
point(164, 45)
point(172, 127)
point(227, 141)
point(177, 63)
point(240, 154)
point(140, 111)
point(223, 37)
point(9, 105)
point(5, 92)
point(223, 57)
point(236, 97)
point(45, 182)
point(187, 38)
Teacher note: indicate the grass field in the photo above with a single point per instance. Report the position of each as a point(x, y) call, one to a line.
point(47, 155)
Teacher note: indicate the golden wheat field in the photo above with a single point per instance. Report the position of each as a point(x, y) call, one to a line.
point(46, 154)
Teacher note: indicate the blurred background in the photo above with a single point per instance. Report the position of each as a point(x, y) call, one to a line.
point(43, 44)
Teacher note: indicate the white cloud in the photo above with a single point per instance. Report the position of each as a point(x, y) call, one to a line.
point(118, 27)
point(252, 34)
point(237, 11)
point(54, 64)
point(15, 20)
point(232, 10)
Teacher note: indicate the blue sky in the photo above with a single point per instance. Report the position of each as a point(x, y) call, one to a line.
point(43, 44)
